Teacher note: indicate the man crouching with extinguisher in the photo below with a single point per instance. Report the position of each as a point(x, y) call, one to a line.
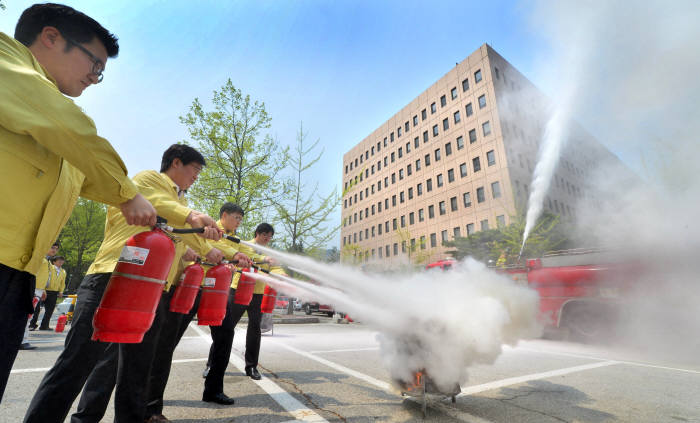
point(129, 366)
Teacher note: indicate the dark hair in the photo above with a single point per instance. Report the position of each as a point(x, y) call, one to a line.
point(229, 208)
point(70, 22)
point(184, 152)
point(56, 244)
point(264, 228)
point(54, 258)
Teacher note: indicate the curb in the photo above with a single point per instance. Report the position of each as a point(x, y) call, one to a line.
point(288, 321)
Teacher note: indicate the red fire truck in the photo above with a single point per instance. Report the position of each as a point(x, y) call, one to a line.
point(580, 289)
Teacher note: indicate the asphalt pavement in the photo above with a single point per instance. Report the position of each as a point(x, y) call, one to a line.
point(330, 372)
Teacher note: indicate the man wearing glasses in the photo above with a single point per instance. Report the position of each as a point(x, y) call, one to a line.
point(50, 152)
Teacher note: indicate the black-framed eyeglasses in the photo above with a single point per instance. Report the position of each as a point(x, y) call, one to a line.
point(98, 65)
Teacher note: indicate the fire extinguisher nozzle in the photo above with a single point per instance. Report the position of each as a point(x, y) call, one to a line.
point(233, 239)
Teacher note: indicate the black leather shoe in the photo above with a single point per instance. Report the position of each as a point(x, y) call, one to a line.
point(33, 327)
point(27, 346)
point(253, 373)
point(219, 398)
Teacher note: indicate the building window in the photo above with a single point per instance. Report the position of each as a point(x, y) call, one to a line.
point(401, 197)
point(384, 141)
point(491, 158)
point(442, 208)
point(463, 170)
point(469, 110)
point(400, 152)
point(453, 204)
point(433, 240)
point(409, 170)
point(394, 224)
point(386, 181)
point(482, 101)
point(372, 231)
point(476, 164)
point(416, 142)
point(439, 180)
point(417, 165)
point(496, 70)
point(379, 206)
point(455, 232)
point(431, 211)
point(470, 229)
point(403, 220)
point(421, 215)
point(451, 175)
point(496, 189)
point(398, 132)
point(437, 154)
point(485, 225)
point(393, 157)
point(448, 149)
point(422, 242)
point(465, 84)
point(500, 221)
point(460, 142)
point(467, 199)
point(396, 249)
point(433, 109)
point(411, 218)
point(387, 250)
point(425, 136)
point(379, 251)
point(386, 226)
point(477, 76)
point(415, 121)
point(443, 235)
point(410, 193)
point(391, 137)
point(486, 126)
point(423, 114)
point(472, 136)
point(435, 130)
point(393, 200)
point(386, 162)
point(429, 184)
point(457, 117)
point(419, 189)
point(379, 147)
point(405, 125)
point(427, 160)
point(453, 93)
point(480, 197)
point(443, 101)
point(408, 147)
point(393, 178)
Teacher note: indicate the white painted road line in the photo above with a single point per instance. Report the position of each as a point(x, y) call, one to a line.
point(475, 389)
point(345, 350)
point(631, 363)
point(340, 368)
point(282, 397)
point(46, 369)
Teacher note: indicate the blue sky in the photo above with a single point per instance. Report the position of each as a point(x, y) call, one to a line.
point(341, 67)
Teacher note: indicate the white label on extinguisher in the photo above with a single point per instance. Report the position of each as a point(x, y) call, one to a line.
point(134, 255)
point(209, 282)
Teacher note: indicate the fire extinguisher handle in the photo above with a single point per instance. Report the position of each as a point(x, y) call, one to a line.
point(260, 270)
point(233, 239)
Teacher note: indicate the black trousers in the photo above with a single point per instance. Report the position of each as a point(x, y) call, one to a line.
point(62, 384)
point(173, 329)
point(127, 366)
point(222, 337)
point(49, 307)
point(16, 294)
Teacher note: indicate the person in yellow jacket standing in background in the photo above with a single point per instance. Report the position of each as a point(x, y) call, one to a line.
point(52, 401)
point(50, 151)
point(54, 289)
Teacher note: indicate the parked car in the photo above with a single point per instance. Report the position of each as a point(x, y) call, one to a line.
point(318, 308)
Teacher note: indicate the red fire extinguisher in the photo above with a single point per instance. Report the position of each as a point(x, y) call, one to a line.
point(35, 301)
point(245, 288)
point(128, 305)
point(215, 292)
point(186, 291)
point(61, 324)
point(268, 301)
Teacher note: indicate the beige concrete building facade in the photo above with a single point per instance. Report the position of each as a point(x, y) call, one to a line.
point(456, 160)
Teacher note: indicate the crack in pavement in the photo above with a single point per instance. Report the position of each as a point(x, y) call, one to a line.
point(529, 409)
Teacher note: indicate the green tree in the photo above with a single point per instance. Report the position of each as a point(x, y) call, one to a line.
point(547, 235)
point(81, 238)
point(243, 165)
point(304, 214)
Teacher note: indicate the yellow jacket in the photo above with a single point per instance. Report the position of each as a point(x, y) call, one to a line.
point(58, 279)
point(50, 154)
point(162, 192)
point(250, 252)
point(43, 274)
